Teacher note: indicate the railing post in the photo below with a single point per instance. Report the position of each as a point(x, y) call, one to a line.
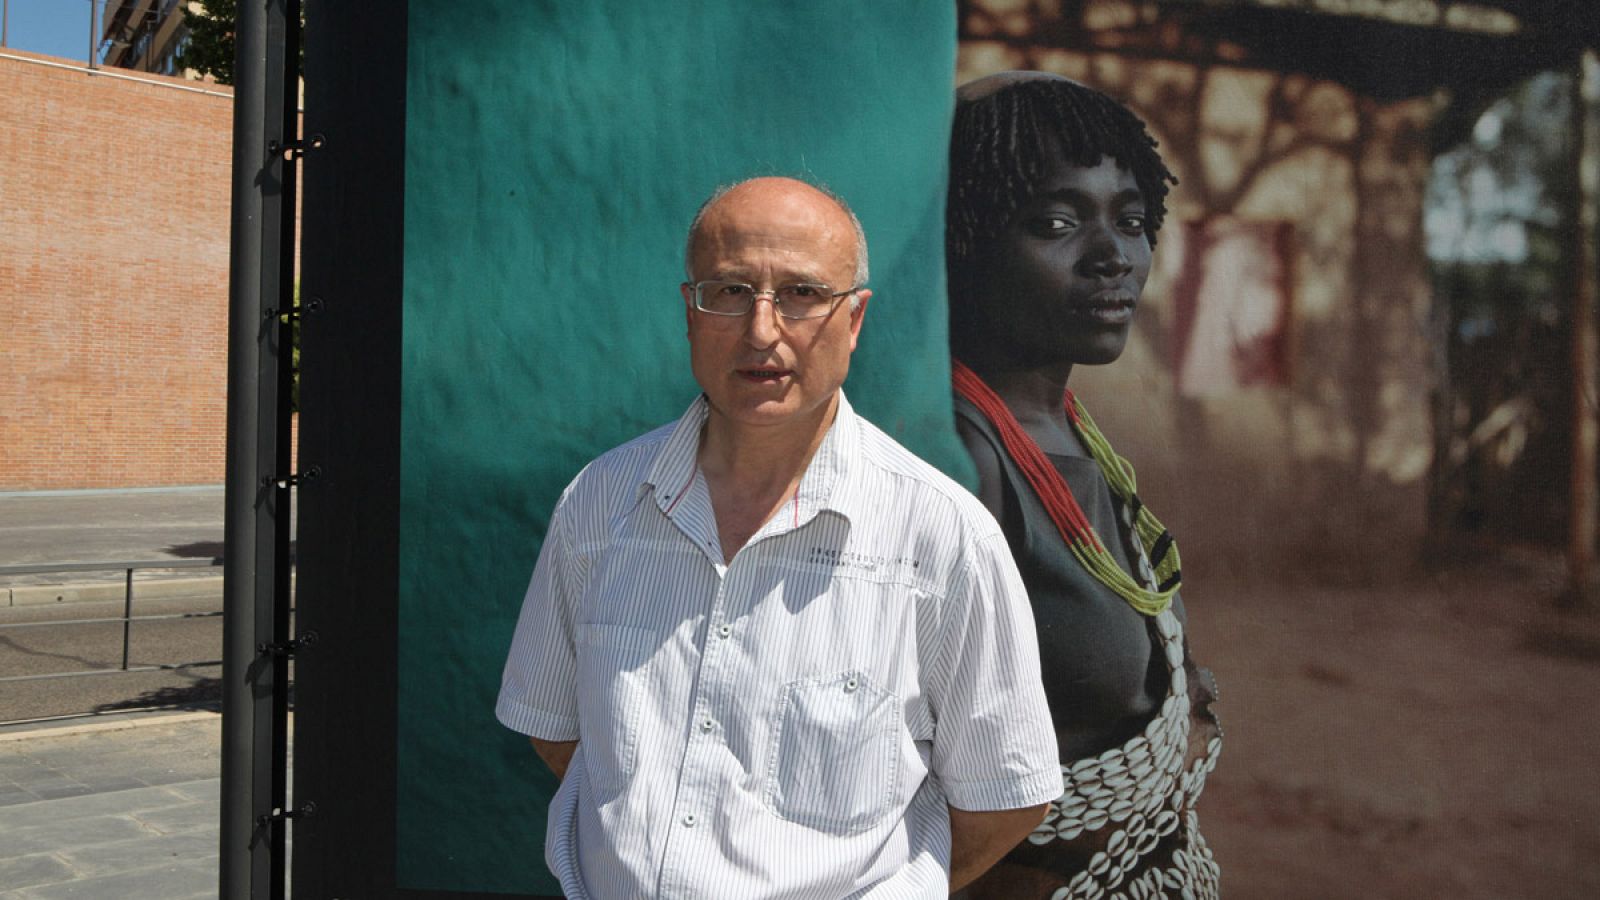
point(127, 616)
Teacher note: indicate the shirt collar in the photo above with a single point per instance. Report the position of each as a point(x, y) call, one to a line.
point(826, 485)
point(673, 471)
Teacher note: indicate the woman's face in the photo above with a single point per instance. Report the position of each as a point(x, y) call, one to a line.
point(1061, 282)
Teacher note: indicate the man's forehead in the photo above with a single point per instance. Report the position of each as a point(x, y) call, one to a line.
point(777, 233)
point(774, 215)
point(735, 251)
point(772, 205)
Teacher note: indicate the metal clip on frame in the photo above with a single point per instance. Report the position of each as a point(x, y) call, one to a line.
point(295, 480)
point(292, 150)
point(289, 648)
point(304, 811)
point(312, 304)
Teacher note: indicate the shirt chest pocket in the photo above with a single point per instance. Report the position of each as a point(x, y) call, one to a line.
point(833, 761)
point(613, 679)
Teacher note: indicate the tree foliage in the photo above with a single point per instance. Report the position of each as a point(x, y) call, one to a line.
point(209, 50)
point(210, 47)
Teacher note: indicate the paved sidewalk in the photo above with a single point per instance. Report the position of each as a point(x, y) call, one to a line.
point(124, 809)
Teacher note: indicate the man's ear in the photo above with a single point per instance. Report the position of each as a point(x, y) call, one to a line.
point(857, 314)
point(686, 290)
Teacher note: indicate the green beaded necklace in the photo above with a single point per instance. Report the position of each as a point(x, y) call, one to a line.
point(1063, 508)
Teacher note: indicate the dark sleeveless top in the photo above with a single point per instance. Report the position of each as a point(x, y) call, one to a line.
point(1132, 712)
point(1101, 690)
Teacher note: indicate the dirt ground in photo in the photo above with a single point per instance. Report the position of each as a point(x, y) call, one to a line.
point(1424, 734)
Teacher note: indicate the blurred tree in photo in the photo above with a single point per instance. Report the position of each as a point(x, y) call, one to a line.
point(1498, 218)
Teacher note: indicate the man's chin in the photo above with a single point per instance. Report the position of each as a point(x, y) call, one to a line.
point(766, 412)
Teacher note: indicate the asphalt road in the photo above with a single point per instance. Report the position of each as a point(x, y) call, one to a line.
point(40, 649)
point(54, 527)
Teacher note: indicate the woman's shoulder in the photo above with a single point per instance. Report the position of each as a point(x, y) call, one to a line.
point(984, 451)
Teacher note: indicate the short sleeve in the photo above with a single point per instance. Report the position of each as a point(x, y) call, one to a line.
point(994, 746)
point(538, 689)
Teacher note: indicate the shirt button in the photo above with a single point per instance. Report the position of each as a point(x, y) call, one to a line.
point(852, 684)
point(707, 725)
point(689, 820)
point(724, 631)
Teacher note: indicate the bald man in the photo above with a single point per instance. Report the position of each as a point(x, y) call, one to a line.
point(768, 651)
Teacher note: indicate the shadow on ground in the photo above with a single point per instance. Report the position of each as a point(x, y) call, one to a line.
point(206, 693)
point(208, 550)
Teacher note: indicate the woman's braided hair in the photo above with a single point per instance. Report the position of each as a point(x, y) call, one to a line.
point(999, 151)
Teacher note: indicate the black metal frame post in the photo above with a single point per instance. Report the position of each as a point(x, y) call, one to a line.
point(347, 561)
point(283, 53)
point(256, 539)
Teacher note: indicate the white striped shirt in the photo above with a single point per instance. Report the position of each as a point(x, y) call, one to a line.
point(790, 724)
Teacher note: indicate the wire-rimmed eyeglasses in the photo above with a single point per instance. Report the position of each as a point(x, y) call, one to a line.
point(792, 301)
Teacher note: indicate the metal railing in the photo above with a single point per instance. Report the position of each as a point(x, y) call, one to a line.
point(127, 618)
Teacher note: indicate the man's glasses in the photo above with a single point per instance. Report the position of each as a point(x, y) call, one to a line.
point(792, 301)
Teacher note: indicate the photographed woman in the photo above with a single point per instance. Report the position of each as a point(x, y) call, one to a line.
point(1056, 195)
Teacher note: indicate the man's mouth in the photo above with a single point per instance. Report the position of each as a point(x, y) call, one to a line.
point(764, 375)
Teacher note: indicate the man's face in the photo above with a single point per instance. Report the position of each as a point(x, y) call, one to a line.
point(1060, 284)
point(762, 369)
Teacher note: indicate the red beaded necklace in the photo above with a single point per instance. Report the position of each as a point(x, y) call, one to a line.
point(1063, 508)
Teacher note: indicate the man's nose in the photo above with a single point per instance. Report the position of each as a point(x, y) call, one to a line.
point(762, 327)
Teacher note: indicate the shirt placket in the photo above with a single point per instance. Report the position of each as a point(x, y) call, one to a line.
point(695, 803)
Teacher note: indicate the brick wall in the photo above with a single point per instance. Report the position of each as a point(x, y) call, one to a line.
point(113, 278)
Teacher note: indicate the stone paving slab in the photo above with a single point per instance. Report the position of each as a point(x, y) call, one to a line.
point(205, 789)
point(187, 817)
point(126, 810)
point(133, 801)
point(174, 881)
point(131, 856)
point(92, 760)
point(52, 836)
point(33, 869)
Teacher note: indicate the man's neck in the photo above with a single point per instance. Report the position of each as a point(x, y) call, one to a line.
point(752, 471)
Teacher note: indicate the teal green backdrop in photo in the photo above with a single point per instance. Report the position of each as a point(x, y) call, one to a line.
point(555, 153)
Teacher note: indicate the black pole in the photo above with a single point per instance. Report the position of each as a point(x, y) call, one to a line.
point(254, 667)
point(282, 107)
